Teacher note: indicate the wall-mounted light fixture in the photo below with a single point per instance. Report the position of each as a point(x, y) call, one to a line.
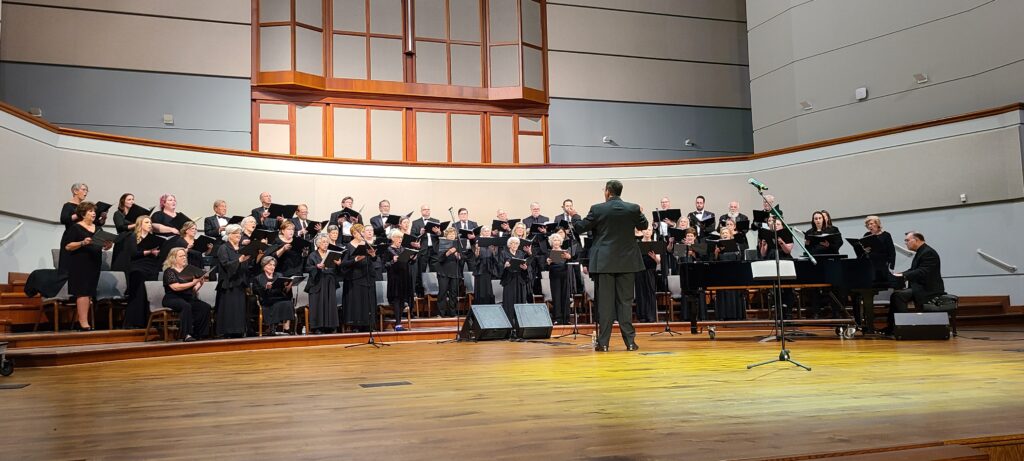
point(921, 78)
point(806, 105)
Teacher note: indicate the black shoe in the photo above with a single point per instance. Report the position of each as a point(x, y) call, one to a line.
point(632, 347)
point(600, 348)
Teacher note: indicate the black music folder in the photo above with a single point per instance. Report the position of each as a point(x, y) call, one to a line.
point(203, 242)
point(253, 248)
point(728, 245)
point(361, 250)
point(496, 224)
point(263, 234)
point(135, 212)
point(407, 240)
point(742, 227)
point(349, 213)
point(817, 239)
point(678, 234)
point(465, 233)
point(707, 224)
point(557, 256)
point(282, 211)
point(658, 247)
point(515, 263)
point(333, 259)
point(407, 254)
point(392, 220)
point(335, 248)
point(548, 227)
point(299, 244)
point(492, 241)
point(235, 219)
point(431, 225)
point(672, 214)
point(768, 236)
point(151, 242)
point(280, 282)
point(102, 207)
point(101, 237)
point(194, 272)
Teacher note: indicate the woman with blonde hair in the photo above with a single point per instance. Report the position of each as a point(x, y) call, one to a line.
point(180, 296)
point(141, 265)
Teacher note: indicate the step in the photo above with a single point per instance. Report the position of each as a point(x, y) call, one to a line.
point(72, 338)
point(5, 326)
point(17, 278)
point(19, 298)
point(20, 314)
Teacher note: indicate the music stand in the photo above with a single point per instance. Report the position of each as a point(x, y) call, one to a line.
point(572, 297)
point(780, 321)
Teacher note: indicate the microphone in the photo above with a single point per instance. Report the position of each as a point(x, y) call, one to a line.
point(757, 184)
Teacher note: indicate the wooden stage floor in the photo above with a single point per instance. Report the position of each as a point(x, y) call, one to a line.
point(678, 398)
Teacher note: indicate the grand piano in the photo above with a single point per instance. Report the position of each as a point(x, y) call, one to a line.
point(831, 271)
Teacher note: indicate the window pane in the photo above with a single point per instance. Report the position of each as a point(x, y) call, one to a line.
point(349, 133)
point(531, 149)
point(310, 12)
point(275, 10)
point(274, 112)
point(350, 15)
point(530, 124)
point(386, 59)
point(431, 137)
point(309, 51)
point(504, 22)
point(309, 131)
point(386, 134)
point(386, 17)
point(465, 20)
point(531, 23)
point(533, 68)
point(349, 57)
point(275, 48)
point(430, 19)
point(275, 138)
point(501, 139)
point(504, 66)
point(466, 143)
point(431, 63)
point(466, 69)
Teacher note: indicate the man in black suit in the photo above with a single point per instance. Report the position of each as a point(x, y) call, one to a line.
point(213, 226)
point(262, 213)
point(924, 278)
point(696, 217)
point(464, 223)
point(733, 214)
point(535, 216)
point(303, 227)
point(428, 246)
point(614, 259)
point(380, 222)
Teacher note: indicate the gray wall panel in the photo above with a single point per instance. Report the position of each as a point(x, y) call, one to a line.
point(645, 35)
point(211, 111)
point(727, 10)
point(644, 131)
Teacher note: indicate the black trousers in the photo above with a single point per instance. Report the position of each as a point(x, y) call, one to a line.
point(615, 302)
point(195, 316)
point(447, 295)
point(898, 303)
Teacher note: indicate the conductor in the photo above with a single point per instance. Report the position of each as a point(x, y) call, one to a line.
point(614, 259)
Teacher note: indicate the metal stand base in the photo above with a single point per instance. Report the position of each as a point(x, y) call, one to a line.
point(668, 329)
point(369, 342)
point(783, 357)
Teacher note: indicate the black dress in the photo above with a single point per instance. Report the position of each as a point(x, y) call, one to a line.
point(400, 287)
point(644, 287)
point(231, 286)
point(487, 269)
point(277, 304)
point(558, 277)
point(65, 218)
point(322, 287)
point(291, 262)
point(448, 276)
point(730, 304)
point(360, 291)
point(83, 264)
point(141, 269)
point(515, 282)
point(121, 222)
point(194, 313)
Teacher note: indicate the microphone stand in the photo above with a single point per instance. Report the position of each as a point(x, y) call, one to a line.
point(458, 319)
point(668, 312)
point(780, 321)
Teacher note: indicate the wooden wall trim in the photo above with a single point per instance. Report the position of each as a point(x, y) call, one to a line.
point(18, 113)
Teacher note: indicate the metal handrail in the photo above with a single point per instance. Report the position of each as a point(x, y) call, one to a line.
point(996, 261)
point(11, 233)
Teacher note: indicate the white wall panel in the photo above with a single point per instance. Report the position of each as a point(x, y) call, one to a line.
point(239, 11)
point(734, 10)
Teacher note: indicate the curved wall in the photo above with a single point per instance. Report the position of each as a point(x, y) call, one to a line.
point(897, 175)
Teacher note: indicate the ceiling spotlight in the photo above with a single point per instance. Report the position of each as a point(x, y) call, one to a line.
point(688, 143)
point(806, 105)
point(921, 78)
point(608, 140)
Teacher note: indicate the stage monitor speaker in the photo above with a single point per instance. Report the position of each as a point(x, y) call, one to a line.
point(486, 322)
point(533, 321)
point(921, 325)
